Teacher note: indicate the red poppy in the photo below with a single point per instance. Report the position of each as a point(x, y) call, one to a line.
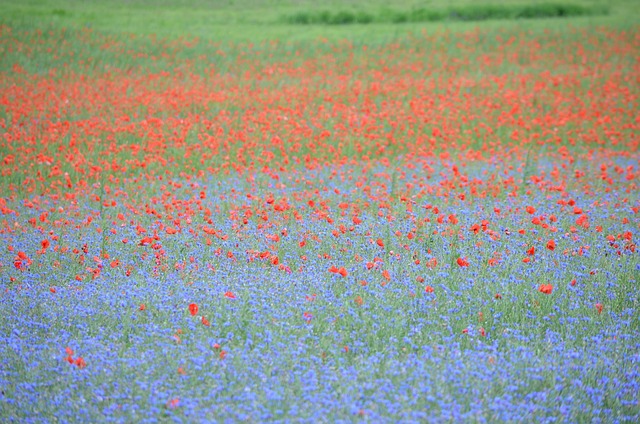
point(599, 307)
point(428, 289)
point(193, 308)
point(205, 322)
point(551, 244)
point(545, 288)
point(229, 295)
point(462, 262)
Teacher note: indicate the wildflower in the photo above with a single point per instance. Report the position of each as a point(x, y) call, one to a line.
point(428, 289)
point(599, 307)
point(545, 288)
point(307, 316)
point(551, 244)
point(229, 295)
point(462, 262)
point(193, 308)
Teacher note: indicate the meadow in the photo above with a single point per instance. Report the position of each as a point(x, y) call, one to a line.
point(210, 212)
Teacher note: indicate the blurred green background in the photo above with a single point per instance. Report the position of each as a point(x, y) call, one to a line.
point(258, 20)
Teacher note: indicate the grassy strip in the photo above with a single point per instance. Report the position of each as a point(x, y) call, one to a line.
point(456, 13)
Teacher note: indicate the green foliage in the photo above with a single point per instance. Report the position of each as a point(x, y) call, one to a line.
point(470, 12)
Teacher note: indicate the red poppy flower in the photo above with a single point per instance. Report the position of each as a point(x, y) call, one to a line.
point(545, 288)
point(229, 295)
point(551, 245)
point(193, 308)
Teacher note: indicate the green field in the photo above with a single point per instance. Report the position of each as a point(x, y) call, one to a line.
point(254, 20)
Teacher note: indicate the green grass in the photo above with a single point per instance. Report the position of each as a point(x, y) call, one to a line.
point(254, 20)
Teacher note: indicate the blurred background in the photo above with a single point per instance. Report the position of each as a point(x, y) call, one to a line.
point(256, 20)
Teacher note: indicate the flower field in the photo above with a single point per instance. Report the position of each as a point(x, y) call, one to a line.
point(442, 227)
